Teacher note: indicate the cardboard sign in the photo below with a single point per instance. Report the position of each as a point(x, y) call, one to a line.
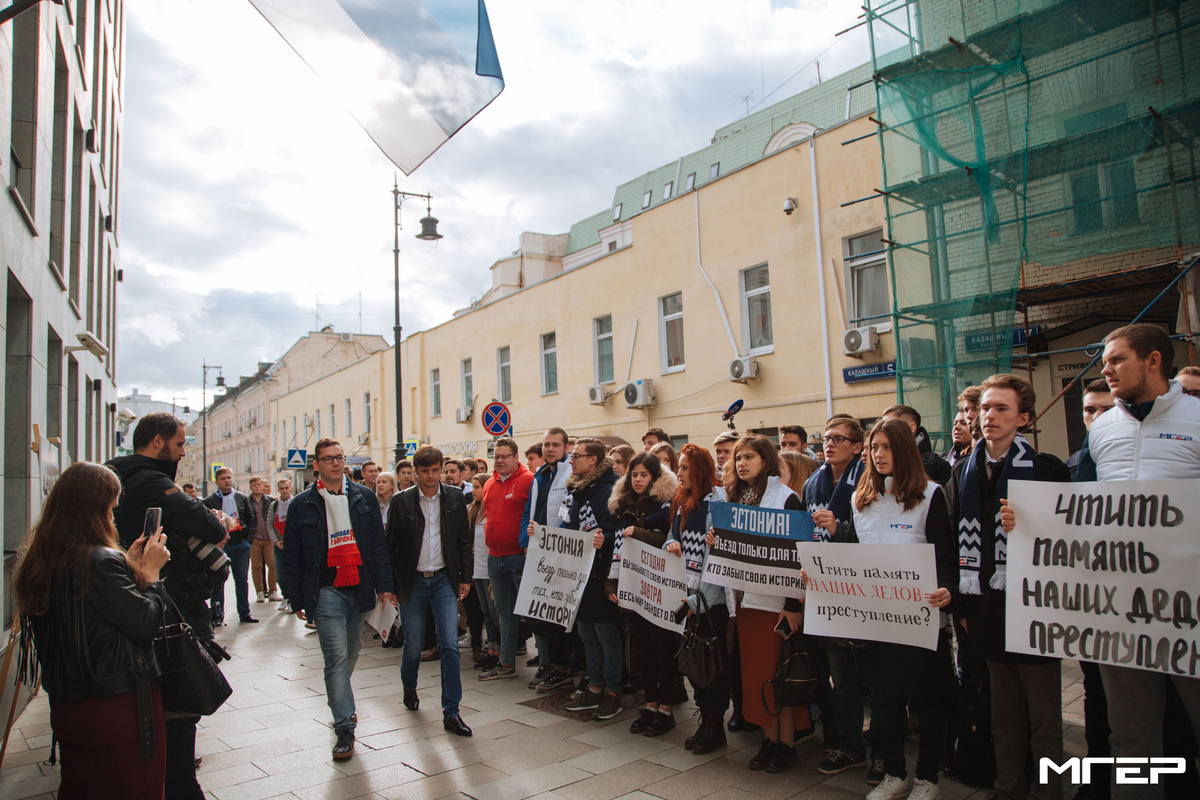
point(652, 582)
point(557, 564)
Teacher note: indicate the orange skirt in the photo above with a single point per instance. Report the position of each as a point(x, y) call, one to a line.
point(759, 646)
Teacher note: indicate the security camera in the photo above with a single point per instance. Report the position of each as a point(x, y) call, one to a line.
point(126, 415)
point(789, 205)
point(89, 342)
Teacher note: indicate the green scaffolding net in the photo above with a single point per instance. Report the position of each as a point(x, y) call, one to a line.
point(1032, 151)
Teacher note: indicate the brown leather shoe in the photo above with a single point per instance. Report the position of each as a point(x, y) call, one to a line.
point(432, 654)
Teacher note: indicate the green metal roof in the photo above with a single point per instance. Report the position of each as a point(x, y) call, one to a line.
point(734, 146)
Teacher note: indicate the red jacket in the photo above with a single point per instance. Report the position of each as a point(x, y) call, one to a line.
point(503, 504)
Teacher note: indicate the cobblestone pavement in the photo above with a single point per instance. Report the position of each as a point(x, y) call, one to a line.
point(273, 739)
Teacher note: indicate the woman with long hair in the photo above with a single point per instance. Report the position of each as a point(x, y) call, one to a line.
point(666, 456)
point(689, 525)
point(385, 487)
point(640, 500)
point(755, 481)
point(896, 503)
point(620, 456)
point(795, 468)
point(489, 651)
point(92, 611)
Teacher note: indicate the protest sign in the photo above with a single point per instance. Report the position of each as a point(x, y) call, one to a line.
point(1106, 572)
point(653, 583)
point(755, 548)
point(872, 592)
point(557, 564)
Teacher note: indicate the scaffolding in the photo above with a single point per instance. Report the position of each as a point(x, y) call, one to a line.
point(1037, 156)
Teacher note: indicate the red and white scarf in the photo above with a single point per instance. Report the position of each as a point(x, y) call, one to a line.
point(343, 552)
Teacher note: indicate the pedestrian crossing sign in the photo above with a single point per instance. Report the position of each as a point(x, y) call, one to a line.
point(410, 447)
point(297, 458)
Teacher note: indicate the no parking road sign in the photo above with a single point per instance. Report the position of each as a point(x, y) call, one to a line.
point(496, 419)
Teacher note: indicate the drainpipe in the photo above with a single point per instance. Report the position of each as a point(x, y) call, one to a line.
point(699, 263)
point(812, 162)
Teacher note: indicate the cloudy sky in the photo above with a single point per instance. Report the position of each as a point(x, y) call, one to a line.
point(253, 208)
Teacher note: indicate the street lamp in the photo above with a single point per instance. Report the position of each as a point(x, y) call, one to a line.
point(204, 414)
point(429, 234)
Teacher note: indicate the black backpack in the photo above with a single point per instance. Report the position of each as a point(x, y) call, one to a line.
point(973, 754)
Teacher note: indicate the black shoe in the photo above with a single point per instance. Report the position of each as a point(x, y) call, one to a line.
point(659, 724)
point(764, 756)
point(344, 747)
point(411, 701)
point(736, 721)
point(247, 618)
point(750, 727)
point(839, 763)
point(690, 741)
point(198, 760)
point(782, 759)
point(538, 676)
point(454, 723)
point(533, 662)
point(631, 685)
point(488, 662)
point(710, 736)
point(641, 721)
point(875, 772)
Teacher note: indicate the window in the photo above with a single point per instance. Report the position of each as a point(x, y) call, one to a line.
point(691, 183)
point(285, 439)
point(670, 331)
point(332, 422)
point(616, 212)
point(349, 429)
point(603, 350)
point(367, 411)
point(23, 110)
point(670, 187)
point(504, 374)
point(317, 424)
point(549, 363)
point(867, 278)
point(1104, 196)
point(677, 442)
point(435, 392)
point(646, 198)
point(757, 335)
point(714, 171)
point(468, 393)
point(296, 433)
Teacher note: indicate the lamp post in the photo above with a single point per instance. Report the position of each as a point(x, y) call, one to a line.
point(429, 234)
point(204, 414)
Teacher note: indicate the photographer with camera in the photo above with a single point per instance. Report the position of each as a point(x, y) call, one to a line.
point(194, 535)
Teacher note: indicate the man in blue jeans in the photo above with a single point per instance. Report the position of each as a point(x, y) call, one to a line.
point(432, 550)
point(334, 567)
point(236, 506)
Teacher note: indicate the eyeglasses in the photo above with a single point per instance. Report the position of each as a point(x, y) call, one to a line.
point(500, 455)
point(333, 459)
point(836, 438)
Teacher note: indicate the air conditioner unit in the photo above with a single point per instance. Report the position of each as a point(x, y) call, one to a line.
point(639, 394)
point(346, 337)
point(308, 423)
point(463, 414)
point(743, 369)
point(857, 342)
point(598, 395)
point(228, 434)
point(364, 437)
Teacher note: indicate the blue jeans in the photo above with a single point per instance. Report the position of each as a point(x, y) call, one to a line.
point(505, 575)
point(605, 655)
point(239, 566)
point(490, 623)
point(434, 594)
point(890, 725)
point(847, 700)
point(339, 629)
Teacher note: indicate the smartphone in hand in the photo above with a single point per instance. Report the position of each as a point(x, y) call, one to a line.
point(784, 628)
point(152, 522)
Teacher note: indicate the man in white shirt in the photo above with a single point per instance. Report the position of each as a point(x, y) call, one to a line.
point(432, 551)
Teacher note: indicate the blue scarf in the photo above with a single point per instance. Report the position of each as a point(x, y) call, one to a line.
point(820, 493)
point(1017, 465)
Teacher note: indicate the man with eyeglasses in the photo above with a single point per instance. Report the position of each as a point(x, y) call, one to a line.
point(505, 496)
point(334, 567)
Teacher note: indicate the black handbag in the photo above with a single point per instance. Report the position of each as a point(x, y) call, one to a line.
point(795, 680)
point(191, 681)
point(699, 656)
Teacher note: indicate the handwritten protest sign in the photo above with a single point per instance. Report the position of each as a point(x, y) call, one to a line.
point(652, 582)
point(755, 549)
point(873, 592)
point(1106, 572)
point(557, 564)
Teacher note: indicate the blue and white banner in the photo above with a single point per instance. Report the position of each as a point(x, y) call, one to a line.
point(755, 548)
point(411, 74)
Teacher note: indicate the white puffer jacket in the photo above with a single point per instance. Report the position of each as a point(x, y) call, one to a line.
point(1166, 444)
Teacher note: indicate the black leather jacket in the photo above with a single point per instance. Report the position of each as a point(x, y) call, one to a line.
point(102, 642)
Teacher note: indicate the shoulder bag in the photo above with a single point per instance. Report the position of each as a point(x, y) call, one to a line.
point(191, 681)
point(699, 656)
point(795, 680)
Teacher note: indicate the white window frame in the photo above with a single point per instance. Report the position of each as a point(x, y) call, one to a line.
point(545, 352)
point(349, 420)
point(647, 198)
point(664, 357)
point(597, 337)
point(746, 296)
point(853, 265)
point(317, 424)
point(332, 421)
point(617, 212)
point(367, 412)
point(668, 188)
point(467, 372)
point(435, 392)
point(504, 374)
point(714, 171)
point(691, 182)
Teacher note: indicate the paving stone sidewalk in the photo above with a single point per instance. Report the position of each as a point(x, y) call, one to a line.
point(273, 739)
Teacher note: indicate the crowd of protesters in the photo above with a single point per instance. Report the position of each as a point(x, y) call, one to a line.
point(444, 541)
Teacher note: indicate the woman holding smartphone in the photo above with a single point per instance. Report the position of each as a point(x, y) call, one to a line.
point(895, 503)
point(755, 481)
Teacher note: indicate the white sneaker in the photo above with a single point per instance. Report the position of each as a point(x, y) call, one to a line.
point(890, 788)
point(262, 598)
point(275, 596)
point(924, 790)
